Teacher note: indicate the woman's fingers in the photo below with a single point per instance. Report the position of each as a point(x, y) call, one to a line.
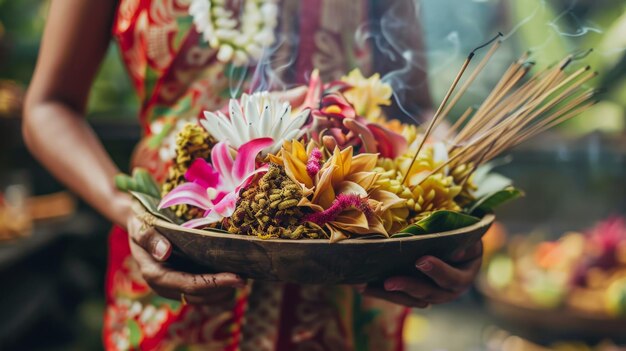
point(150, 240)
point(419, 289)
point(469, 254)
point(448, 277)
point(149, 248)
point(446, 283)
point(160, 277)
point(395, 297)
point(197, 284)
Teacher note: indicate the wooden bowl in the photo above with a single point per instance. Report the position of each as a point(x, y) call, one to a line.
point(551, 324)
point(313, 261)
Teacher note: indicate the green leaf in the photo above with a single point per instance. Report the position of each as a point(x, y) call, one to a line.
point(437, 222)
point(489, 202)
point(140, 182)
point(151, 204)
point(147, 184)
point(134, 333)
point(124, 182)
point(402, 234)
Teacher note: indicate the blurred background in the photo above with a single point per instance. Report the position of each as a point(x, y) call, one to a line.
point(554, 275)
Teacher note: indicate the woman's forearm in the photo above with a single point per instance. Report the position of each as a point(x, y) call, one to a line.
point(75, 40)
point(67, 146)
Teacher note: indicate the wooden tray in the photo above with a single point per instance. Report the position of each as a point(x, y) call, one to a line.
point(312, 261)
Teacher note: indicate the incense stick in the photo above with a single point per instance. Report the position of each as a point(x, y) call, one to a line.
point(436, 117)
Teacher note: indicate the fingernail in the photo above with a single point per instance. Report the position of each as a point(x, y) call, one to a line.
point(160, 250)
point(424, 266)
point(391, 286)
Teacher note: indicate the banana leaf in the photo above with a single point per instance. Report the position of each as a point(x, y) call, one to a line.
point(489, 202)
point(151, 204)
point(439, 221)
point(140, 182)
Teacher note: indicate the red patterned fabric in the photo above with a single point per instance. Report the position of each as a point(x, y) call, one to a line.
point(177, 76)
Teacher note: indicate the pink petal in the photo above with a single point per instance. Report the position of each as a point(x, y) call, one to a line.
point(337, 86)
point(312, 98)
point(245, 162)
point(201, 172)
point(227, 205)
point(212, 217)
point(188, 194)
point(363, 133)
point(337, 100)
point(223, 163)
point(249, 177)
point(390, 144)
point(338, 135)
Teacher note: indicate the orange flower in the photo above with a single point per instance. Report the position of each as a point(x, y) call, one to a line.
point(345, 198)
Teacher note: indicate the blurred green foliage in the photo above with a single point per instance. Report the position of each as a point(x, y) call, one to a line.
point(21, 26)
point(552, 29)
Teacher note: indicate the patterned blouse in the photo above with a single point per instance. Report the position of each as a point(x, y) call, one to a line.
point(177, 76)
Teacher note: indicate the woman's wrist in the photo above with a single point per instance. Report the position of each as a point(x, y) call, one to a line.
point(121, 210)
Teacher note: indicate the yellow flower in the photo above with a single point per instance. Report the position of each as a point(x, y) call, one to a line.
point(344, 172)
point(342, 191)
point(437, 191)
point(462, 175)
point(367, 94)
point(192, 142)
point(345, 198)
point(297, 160)
point(394, 213)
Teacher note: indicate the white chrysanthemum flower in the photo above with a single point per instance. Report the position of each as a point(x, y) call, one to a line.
point(238, 36)
point(258, 115)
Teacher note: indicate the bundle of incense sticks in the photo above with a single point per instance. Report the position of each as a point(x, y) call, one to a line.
point(517, 108)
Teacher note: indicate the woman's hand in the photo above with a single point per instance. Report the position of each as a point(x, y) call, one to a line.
point(443, 282)
point(150, 249)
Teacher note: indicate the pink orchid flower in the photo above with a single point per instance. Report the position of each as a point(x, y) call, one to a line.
point(215, 187)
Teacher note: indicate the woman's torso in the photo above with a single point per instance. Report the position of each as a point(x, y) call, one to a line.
point(177, 75)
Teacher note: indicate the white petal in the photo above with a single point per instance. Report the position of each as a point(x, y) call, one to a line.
point(292, 134)
point(238, 120)
point(240, 58)
point(287, 119)
point(269, 10)
point(210, 122)
point(254, 50)
point(225, 53)
point(298, 121)
point(229, 133)
point(226, 34)
point(251, 110)
point(227, 23)
point(281, 121)
point(265, 126)
point(242, 40)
